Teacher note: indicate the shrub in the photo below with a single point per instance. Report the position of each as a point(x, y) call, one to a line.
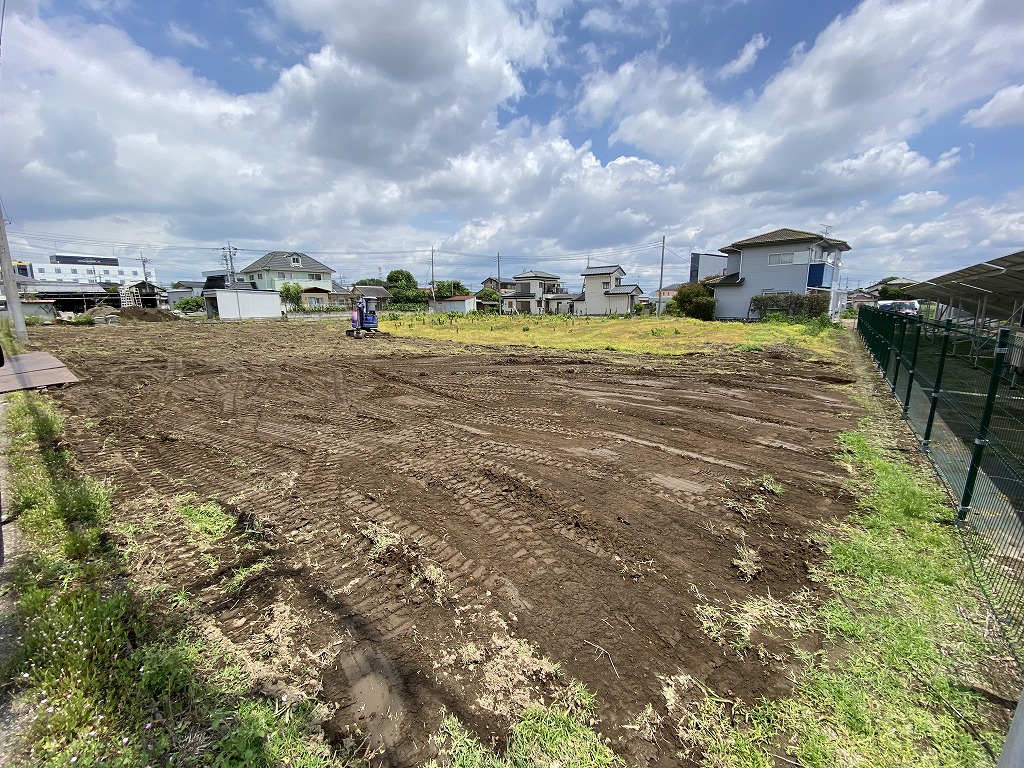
point(703, 308)
point(33, 320)
point(84, 320)
point(789, 306)
point(694, 300)
point(191, 304)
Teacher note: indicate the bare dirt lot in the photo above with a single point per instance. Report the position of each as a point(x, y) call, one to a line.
point(425, 526)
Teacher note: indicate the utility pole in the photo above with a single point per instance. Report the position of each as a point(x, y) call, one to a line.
point(145, 267)
point(661, 276)
point(501, 301)
point(433, 296)
point(229, 263)
point(11, 284)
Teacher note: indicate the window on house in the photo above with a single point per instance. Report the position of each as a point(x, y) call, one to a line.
point(74, 270)
point(42, 269)
point(57, 270)
point(315, 276)
point(606, 284)
point(280, 275)
point(259, 275)
point(618, 281)
point(106, 271)
point(523, 288)
point(787, 258)
point(296, 261)
point(120, 272)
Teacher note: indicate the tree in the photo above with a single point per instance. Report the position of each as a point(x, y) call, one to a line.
point(403, 288)
point(191, 304)
point(446, 288)
point(291, 294)
point(488, 294)
point(400, 278)
point(686, 298)
point(372, 281)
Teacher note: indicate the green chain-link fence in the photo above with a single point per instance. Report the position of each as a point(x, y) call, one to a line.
point(959, 389)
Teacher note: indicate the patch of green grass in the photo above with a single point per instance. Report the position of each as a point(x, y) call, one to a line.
point(112, 678)
point(209, 519)
point(903, 631)
point(558, 734)
point(649, 335)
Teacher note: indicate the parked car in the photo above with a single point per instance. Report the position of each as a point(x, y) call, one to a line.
point(903, 307)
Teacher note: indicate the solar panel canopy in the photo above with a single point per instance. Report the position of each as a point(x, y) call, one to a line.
point(999, 283)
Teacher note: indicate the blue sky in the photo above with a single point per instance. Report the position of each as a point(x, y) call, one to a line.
point(552, 131)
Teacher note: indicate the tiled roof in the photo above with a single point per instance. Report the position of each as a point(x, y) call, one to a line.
point(283, 260)
point(620, 290)
point(537, 273)
point(603, 270)
point(786, 236)
point(372, 291)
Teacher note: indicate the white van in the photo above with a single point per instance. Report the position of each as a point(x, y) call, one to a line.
point(902, 306)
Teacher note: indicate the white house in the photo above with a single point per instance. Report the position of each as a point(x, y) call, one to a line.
point(276, 268)
point(604, 293)
point(537, 293)
point(782, 261)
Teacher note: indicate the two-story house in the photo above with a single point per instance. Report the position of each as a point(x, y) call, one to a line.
point(272, 271)
point(604, 293)
point(536, 293)
point(782, 261)
point(503, 286)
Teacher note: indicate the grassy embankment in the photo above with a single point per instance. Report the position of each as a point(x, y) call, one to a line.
point(649, 335)
point(115, 677)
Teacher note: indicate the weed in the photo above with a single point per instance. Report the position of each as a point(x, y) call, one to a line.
point(765, 483)
point(209, 520)
point(384, 540)
point(747, 560)
point(243, 575)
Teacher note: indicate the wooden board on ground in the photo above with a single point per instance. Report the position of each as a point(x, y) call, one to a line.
point(32, 371)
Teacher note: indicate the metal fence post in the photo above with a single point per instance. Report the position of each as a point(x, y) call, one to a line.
point(886, 342)
point(986, 416)
point(937, 385)
point(911, 369)
point(898, 352)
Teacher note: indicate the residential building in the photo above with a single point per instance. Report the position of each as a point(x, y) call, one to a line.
point(536, 293)
point(605, 293)
point(276, 268)
point(781, 261)
point(184, 289)
point(506, 285)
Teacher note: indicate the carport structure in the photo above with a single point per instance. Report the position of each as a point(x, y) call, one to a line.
point(990, 293)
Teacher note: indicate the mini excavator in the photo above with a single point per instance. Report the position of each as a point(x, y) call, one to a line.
point(364, 319)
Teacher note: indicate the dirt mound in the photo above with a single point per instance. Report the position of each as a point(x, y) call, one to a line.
point(146, 315)
point(101, 311)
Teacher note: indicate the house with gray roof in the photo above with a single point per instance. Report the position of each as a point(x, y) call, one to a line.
point(536, 293)
point(276, 268)
point(604, 293)
point(780, 261)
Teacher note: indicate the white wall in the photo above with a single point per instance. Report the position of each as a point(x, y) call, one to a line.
point(240, 305)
